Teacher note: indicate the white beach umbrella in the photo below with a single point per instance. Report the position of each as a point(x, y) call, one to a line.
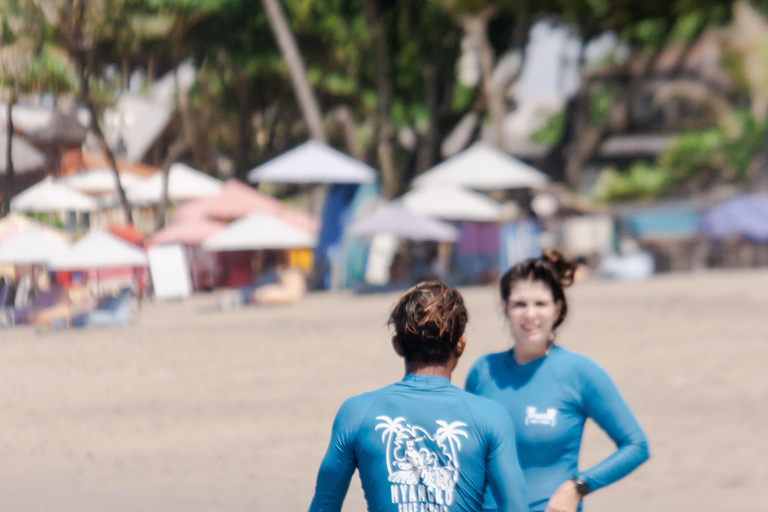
point(100, 249)
point(101, 181)
point(452, 203)
point(32, 248)
point(184, 183)
point(483, 167)
point(398, 220)
point(51, 196)
point(313, 162)
point(259, 231)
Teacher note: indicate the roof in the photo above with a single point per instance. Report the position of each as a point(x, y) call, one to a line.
point(25, 157)
point(236, 199)
point(452, 203)
point(100, 249)
point(483, 167)
point(396, 219)
point(184, 184)
point(52, 196)
point(62, 128)
point(259, 231)
point(32, 247)
point(191, 231)
point(76, 160)
point(313, 162)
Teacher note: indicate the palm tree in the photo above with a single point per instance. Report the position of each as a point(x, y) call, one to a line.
point(451, 433)
point(391, 428)
point(28, 65)
point(297, 70)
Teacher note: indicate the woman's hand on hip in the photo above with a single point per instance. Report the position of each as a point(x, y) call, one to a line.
point(565, 498)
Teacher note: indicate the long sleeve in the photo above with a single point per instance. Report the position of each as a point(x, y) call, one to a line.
point(505, 478)
point(604, 404)
point(337, 467)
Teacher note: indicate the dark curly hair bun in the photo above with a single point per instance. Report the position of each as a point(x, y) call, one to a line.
point(565, 267)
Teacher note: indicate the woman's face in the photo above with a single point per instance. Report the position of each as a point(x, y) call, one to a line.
point(531, 311)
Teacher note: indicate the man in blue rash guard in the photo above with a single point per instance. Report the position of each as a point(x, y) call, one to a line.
point(552, 397)
point(422, 444)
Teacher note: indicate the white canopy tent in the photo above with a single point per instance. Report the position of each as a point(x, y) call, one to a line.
point(259, 231)
point(184, 183)
point(51, 196)
point(32, 248)
point(101, 181)
point(398, 220)
point(452, 203)
point(313, 162)
point(483, 167)
point(100, 249)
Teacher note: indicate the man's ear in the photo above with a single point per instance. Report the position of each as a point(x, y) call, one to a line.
point(396, 346)
point(460, 346)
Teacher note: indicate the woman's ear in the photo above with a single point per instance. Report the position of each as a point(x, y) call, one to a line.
point(558, 308)
point(397, 347)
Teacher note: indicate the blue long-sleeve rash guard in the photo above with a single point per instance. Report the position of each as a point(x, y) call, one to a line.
point(549, 400)
point(421, 445)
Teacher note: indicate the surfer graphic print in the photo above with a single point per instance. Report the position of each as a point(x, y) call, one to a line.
point(417, 458)
point(421, 445)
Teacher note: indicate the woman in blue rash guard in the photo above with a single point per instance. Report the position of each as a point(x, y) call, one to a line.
point(422, 444)
point(549, 392)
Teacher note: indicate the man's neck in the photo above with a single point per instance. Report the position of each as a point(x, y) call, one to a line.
point(429, 370)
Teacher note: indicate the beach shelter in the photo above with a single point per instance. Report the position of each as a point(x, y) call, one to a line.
point(14, 224)
point(259, 231)
point(184, 184)
point(32, 248)
point(101, 181)
point(313, 162)
point(191, 231)
point(483, 167)
point(745, 215)
point(51, 196)
point(398, 220)
point(236, 200)
point(452, 203)
point(99, 250)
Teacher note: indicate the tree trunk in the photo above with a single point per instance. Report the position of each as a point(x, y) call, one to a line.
point(390, 180)
point(289, 49)
point(244, 125)
point(477, 27)
point(9, 160)
point(183, 142)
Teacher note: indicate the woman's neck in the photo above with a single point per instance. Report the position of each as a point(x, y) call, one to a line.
point(524, 355)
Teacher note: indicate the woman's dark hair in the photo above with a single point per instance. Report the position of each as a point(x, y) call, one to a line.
point(429, 320)
point(552, 268)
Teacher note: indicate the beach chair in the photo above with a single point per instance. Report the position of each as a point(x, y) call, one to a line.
point(111, 311)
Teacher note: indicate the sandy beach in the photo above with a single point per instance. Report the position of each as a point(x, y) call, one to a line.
point(191, 409)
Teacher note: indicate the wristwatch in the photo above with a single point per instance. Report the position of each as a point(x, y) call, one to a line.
point(582, 487)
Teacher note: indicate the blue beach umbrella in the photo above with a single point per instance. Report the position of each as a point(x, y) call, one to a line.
point(745, 215)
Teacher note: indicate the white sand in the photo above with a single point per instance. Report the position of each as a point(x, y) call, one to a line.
point(192, 409)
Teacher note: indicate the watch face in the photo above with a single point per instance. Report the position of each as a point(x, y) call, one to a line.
point(582, 487)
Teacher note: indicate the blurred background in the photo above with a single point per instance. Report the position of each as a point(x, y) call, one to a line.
point(164, 163)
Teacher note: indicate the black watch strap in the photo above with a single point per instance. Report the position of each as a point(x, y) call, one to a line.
point(582, 487)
